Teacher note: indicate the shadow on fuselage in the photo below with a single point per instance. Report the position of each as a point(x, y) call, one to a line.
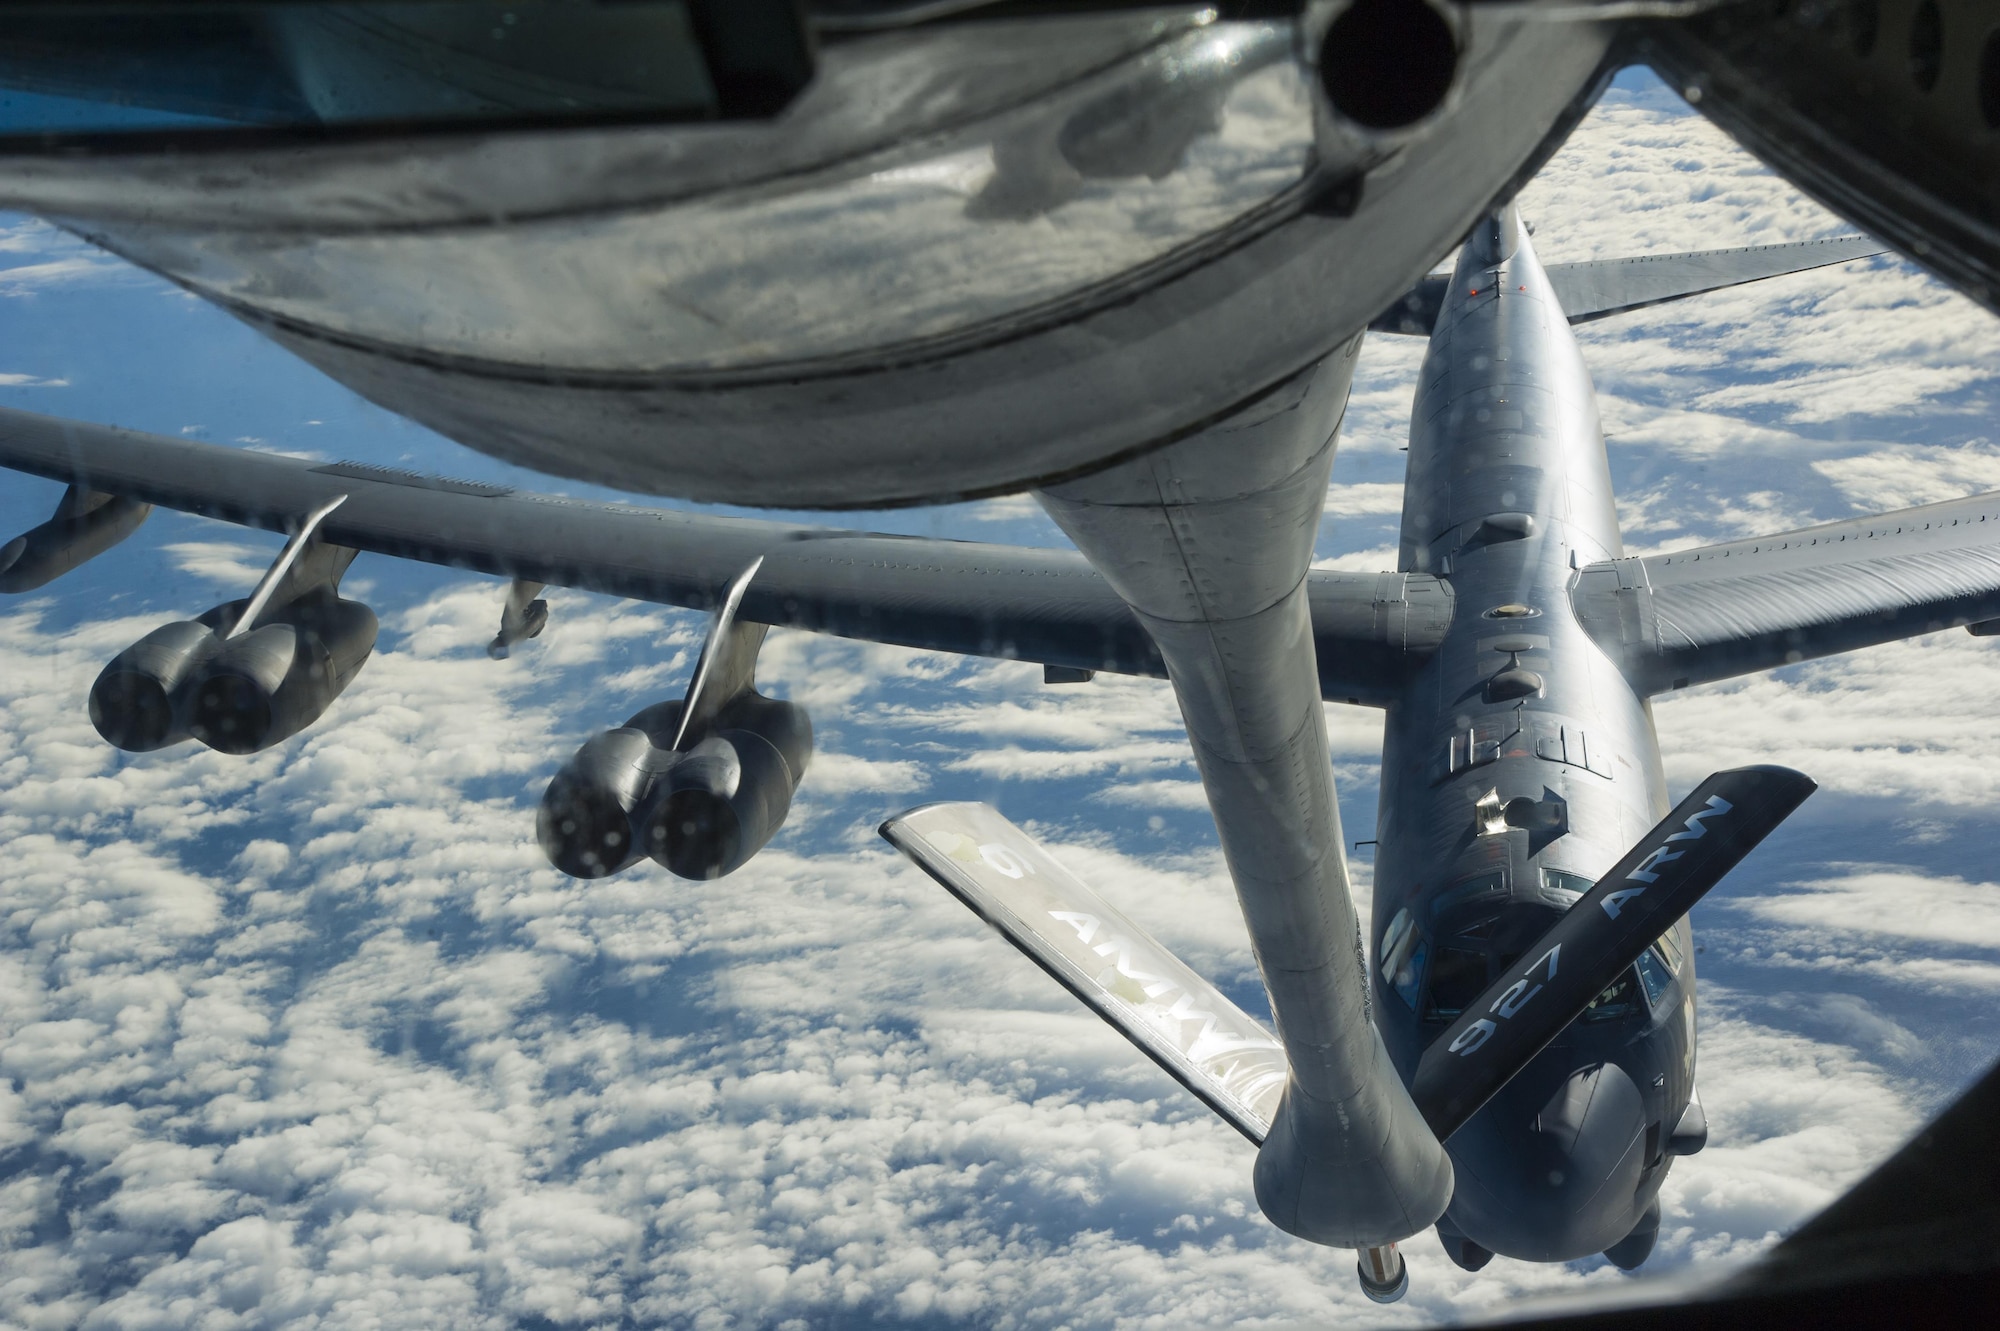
point(1568, 1158)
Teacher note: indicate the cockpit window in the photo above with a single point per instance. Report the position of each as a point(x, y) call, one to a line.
point(1561, 889)
point(1670, 950)
point(1654, 975)
point(1457, 977)
point(1410, 974)
point(1396, 940)
point(1403, 951)
point(1620, 999)
point(1492, 884)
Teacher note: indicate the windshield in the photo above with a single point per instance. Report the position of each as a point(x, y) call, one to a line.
point(1480, 947)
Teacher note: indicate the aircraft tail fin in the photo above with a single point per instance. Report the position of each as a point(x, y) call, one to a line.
point(1178, 1019)
point(1604, 287)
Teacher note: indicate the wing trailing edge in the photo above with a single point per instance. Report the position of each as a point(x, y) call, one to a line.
point(1178, 1019)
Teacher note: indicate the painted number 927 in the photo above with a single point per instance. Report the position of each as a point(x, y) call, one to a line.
point(1518, 995)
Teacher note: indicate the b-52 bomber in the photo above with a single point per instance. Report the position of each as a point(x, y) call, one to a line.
point(1511, 1056)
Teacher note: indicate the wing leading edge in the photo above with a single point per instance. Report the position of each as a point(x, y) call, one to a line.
point(969, 598)
point(1718, 611)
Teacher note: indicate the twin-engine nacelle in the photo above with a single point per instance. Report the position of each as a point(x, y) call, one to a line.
point(700, 812)
point(235, 694)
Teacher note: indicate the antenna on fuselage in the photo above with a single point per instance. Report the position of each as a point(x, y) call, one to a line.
point(1415, 313)
point(1494, 237)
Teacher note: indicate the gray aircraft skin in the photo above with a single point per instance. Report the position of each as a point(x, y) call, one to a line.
point(1508, 492)
point(972, 249)
point(970, 258)
point(1514, 652)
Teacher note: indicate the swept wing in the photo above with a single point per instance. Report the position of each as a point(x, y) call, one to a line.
point(1604, 287)
point(965, 597)
point(1717, 611)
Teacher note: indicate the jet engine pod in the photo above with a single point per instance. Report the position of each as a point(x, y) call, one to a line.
point(700, 812)
point(585, 822)
point(267, 685)
point(135, 702)
point(728, 796)
point(234, 706)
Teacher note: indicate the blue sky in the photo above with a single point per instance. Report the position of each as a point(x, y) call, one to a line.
point(316, 1038)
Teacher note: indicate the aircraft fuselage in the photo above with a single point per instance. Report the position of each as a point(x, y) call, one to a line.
point(1517, 766)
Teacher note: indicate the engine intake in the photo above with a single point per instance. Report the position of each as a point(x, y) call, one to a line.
point(700, 813)
point(135, 703)
point(267, 685)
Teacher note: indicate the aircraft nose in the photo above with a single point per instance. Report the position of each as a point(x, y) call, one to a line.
point(1552, 1177)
